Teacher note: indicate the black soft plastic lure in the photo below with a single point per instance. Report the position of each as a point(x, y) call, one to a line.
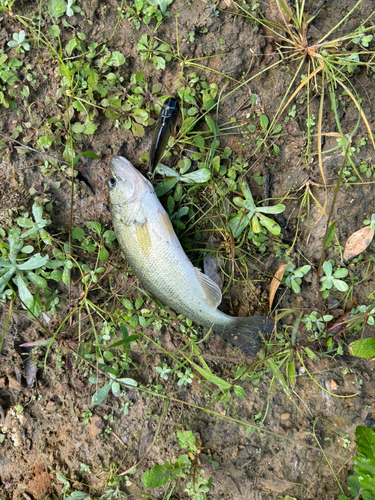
point(164, 128)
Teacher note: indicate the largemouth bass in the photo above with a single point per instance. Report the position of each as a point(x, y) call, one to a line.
point(152, 249)
point(164, 128)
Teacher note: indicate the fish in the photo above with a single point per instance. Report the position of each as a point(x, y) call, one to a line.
point(164, 128)
point(154, 253)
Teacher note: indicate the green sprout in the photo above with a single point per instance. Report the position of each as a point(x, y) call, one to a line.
point(293, 277)
point(332, 280)
point(252, 216)
point(19, 42)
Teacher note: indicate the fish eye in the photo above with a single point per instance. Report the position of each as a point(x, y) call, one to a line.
point(112, 182)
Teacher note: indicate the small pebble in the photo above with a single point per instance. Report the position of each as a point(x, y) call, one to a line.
point(285, 416)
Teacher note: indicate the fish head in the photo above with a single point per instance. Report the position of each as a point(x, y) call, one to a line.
point(125, 183)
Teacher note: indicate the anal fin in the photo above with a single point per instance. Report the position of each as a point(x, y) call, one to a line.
point(211, 290)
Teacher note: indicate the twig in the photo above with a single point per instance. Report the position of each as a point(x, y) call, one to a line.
point(161, 420)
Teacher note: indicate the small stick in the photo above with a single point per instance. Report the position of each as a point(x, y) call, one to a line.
point(162, 418)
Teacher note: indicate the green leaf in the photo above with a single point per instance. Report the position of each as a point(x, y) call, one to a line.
point(87, 154)
point(103, 254)
point(198, 177)
point(57, 8)
point(276, 209)
point(239, 391)
point(35, 262)
point(78, 233)
point(101, 394)
point(330, 234)
point(327, 268)
point(341, 273)
point(94, 226)
point(238, 224)
point(36, 305)
point(5, 279)
point(5, 263)
point(138, 129)
point(117, 59)
point(264, 122)
point(78, 128)
point(159, 62)
point(295, 287)
point(363, 348)
point(23, 291)
point(160, 475)
point(124, 341)
point(269, 224)
point(127, 381)
point(90, 127)
point(208, 375)
point(37, 280)
point(165, 186)
point(341, 286)
point(54, 31)
point(56, 275)
point(212, 125)
point(187, 125)
point(71, 45)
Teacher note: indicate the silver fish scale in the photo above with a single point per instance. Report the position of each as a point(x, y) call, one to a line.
point(166, 272)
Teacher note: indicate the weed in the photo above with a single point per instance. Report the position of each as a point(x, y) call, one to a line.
point(252, 217)
point(293, 277)
point(146, 10)
point(8, 76)
point(19, 42)
point(160, 475)
point(331, 280)
point(57, 8)
point(362, 483)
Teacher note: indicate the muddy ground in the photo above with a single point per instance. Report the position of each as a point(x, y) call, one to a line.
point(50, 435)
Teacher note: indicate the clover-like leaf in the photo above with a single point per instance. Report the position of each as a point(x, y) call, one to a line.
point(327, 268)
point(340, 285)
point(35, 262)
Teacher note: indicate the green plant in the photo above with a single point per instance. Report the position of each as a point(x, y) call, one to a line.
point(113, 385)
point(370, 222)
point(146, 10)
point(160, 475)
point(362, 483)
point(30, 273)
point(185, 378)
point(8, 76)
point(293, 277)
point(153, 51)
point(252, 217)
point(19, 43)
point(163, 370)
point(316, 323)
point(331, 280)
point(57, 8)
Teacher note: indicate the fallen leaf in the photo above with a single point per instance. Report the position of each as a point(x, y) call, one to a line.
point(333, 386)
point(358, 242)
point(276, 281)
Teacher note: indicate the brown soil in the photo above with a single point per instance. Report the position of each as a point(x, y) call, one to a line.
point(50, 435)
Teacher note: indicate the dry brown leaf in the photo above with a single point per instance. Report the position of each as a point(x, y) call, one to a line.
point(333, 386)
point(276, 281)
point(358, 242)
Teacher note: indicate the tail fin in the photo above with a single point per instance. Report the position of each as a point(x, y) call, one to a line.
point(245, 333)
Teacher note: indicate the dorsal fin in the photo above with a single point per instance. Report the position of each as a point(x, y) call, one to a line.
point(167, 224)
point(211, 290)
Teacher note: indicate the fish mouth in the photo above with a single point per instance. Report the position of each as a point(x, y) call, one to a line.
point(121, 167)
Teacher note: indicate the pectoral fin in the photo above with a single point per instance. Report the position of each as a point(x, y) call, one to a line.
point(167, 224)
point(211, 290)
point(143, 237)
